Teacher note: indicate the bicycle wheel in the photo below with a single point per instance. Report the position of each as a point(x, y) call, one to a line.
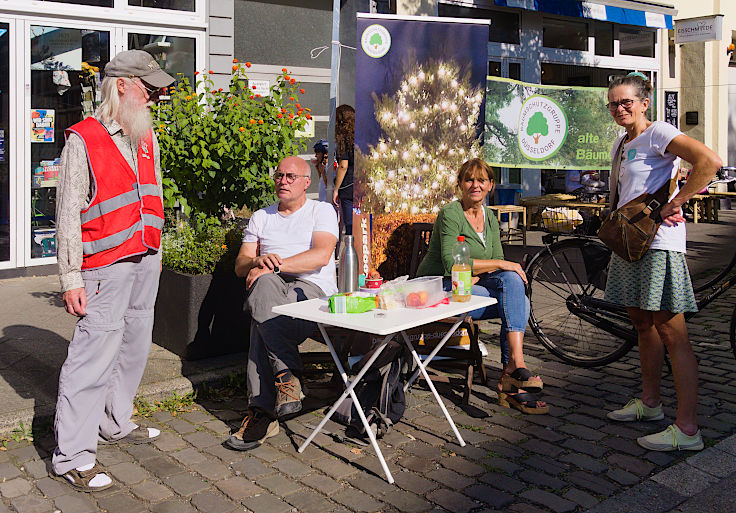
point(568, 313)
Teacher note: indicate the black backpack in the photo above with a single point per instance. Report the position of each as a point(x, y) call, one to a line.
point(380, 392)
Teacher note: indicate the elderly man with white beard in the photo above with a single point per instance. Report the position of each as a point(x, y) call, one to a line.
point(108, 234)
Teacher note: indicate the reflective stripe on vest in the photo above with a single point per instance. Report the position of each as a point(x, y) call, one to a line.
point(112, 204)
point(116, 239)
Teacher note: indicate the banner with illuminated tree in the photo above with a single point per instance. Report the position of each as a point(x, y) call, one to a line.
point(420, 84)
point(547, 127)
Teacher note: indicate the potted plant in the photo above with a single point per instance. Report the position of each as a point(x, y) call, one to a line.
point(218, 148)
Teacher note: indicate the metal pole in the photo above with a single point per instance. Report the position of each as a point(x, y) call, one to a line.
point(330, 171)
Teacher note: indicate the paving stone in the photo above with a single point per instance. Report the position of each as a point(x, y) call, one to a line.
point(238, 488)
point(162, 467)
point(423, 450)
point(542, 479)
point(15, 487)
point(150, 491)
point(583, 432)
point(291, 467)
point(202, 439)
point(416, 464)
point(279, 485)
point(338, 469)
point(27, 453)
point(213, 470)
point(501, 465)
point(52, 488)
point(171, 506)
point(266, 503)
point(501, 448)
point(624, 445)
point(684, 479)
point(121, 503)
point(660, 459)
point(196, 417)
point(525, 507)
point(31, 504)
point(9, 471)
point(580, 497)
point(713, 461)
point(186, 484)
point(406, 501)
point(107, 456)
point(211, 502)
point(181, 426)
point(413, 482)
point(267, 453)
point(36, 468)
point(503, 482)
point(509, 435)
point(311, 454)
point(75, 503)
point(450, 478)
point(584, 462)
point(550, 500)
point(128, 473)
point(541, 447)
point(357, 500)
point(592, 483)
point(323, 484)
point(228, 456)
point(622, 477)
point(142, 452)
point(370, 484)
point(189, 457)
point(307, 501)
point(451, 501)
point(168, 442)
point(635, 465)
point(462, 466)
point(490, 495)
point(543, 433)
point(473, 452)
point(585, 447)
point(251, 468)
point(648, 496)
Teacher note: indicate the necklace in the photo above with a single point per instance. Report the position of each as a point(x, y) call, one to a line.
point(475, 221)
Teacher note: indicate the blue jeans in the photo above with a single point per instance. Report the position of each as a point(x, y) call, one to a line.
point(346, 210)
point(512, 308)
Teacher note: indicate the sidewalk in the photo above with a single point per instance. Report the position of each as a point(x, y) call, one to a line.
point(569, 461)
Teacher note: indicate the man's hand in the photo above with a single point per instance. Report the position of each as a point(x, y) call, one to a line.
point(268, 261)
point(254, 274)
point(75, 302)
point(671, 214)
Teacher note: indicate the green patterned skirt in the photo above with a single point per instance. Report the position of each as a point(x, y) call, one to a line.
point(660, 281)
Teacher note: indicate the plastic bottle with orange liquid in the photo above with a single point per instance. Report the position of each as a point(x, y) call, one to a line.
point(461, 271)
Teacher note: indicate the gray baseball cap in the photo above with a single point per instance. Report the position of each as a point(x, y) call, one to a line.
point(141, 64)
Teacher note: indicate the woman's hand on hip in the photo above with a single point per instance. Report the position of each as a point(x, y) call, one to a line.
point(671, 214)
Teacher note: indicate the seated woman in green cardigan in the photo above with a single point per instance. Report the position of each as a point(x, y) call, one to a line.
point(492, 276)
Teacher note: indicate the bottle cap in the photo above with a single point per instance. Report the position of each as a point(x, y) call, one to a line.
point(461, 238)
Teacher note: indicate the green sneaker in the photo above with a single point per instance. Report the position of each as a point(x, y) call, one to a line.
point(636, 410)
point(672, 439)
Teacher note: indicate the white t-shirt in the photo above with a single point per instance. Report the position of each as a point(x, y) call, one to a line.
point(647, 165)
point(290, 235)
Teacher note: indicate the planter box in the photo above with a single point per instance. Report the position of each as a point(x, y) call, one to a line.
point(199, 316)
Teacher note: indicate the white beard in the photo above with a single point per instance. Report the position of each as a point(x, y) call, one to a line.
point(135, 120)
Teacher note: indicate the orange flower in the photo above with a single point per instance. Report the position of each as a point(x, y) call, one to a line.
point(287, 77)
point(220, 89)
point(224, 246)
point(211, 72)
point(250, 97)
point(291, 123)
point(260, 121)
point(279, 115)
point(302, 91)
point(235, 60)
point(196, 72)
point(247, 64)
point(307, 109)
point(252, 121)
point(189, 97)
point(291, 98)
point(291, 115)
point(284, 70)
point(241, 129)
point(258, 96)
point(292, 81)
point(298, 106)
point(253, 87)
point(309, 117)
point(235, 67)
point(283, 110)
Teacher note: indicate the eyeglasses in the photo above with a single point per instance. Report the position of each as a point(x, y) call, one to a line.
point(626, 103)
point(149, 90)
point(287, 177)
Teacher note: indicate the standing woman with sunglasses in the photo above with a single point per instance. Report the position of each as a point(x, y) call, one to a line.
point(345, 143)
point(656, 290)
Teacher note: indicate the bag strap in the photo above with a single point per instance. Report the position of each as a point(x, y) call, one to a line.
point(615, 170)
point(660, 198)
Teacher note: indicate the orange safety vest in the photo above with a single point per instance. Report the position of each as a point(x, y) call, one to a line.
point(126, 214)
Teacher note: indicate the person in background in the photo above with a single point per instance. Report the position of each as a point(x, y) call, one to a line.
point(321, 149)
point(575, 179)
point(492, 277)
point(345, 143)
point(656, 290)
point(109, 215)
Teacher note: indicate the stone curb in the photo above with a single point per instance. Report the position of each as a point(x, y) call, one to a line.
point(677, 484)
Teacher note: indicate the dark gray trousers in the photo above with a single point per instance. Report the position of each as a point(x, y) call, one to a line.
point(275, 339)
point(105, 360)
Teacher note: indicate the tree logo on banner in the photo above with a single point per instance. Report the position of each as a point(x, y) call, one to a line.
point(542, 127)
point(375, 41)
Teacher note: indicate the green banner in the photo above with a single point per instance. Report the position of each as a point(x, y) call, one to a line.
point(547, 127)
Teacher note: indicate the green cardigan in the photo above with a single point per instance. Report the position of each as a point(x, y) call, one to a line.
point(450, 223)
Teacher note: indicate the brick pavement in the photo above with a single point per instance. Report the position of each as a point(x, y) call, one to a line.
point(570, 460)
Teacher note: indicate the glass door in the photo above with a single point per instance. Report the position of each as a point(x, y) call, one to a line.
point(6, 143)
point(66, 67)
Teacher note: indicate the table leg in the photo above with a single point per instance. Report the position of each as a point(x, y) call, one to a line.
point(434, 352)
point(350, 391)
point(432, 388)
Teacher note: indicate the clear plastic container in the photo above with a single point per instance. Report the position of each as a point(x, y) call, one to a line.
point(423, 292)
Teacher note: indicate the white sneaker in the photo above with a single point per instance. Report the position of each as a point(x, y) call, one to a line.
point(672, 439)
point(636, 410)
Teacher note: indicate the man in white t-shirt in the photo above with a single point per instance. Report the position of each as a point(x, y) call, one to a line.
point(286, 256)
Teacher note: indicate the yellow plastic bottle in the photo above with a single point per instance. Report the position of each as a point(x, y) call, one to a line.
point(461, 271)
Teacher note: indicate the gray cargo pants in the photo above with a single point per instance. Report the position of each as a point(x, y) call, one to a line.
point(105, 360)
point(274, 339)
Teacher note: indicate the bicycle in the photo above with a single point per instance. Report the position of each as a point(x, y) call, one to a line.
point(568, 313)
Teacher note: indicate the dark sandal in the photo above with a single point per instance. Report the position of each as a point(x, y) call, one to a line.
point(521, 378)
point(524, 402)
point(81, 479)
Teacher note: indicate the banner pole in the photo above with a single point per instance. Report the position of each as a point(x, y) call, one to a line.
point(335, 70)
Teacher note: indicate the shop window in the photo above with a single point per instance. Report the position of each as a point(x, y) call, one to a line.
point(504, 25)
point(494, 68)
point(636, 42)
point(569, 35)
point(174, 54)
point(98, 3)
point(571, 75)
point(604, 39)
point(176, 5)
point(515, 70)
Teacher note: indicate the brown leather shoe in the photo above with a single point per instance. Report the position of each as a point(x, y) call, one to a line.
point(288, 394)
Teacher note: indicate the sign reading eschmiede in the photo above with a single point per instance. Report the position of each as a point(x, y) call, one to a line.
point(703, 28)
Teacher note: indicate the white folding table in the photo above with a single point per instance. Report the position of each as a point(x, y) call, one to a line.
point(386, 323)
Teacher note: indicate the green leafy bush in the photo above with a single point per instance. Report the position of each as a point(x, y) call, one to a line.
point(218, 146)
point(200, 249)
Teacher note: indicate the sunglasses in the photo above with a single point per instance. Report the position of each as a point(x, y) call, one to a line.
point(147, 88)
point(626, 103)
